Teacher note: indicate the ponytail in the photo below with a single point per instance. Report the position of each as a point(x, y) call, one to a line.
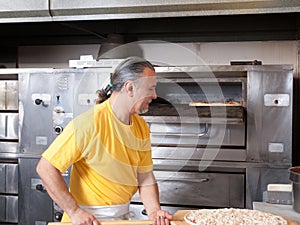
point(103, 94)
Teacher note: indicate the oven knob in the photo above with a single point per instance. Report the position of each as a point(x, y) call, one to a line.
point(38, 101)
point(58, 216)
point(144, 212)
point(40, 188)
point(58, 129)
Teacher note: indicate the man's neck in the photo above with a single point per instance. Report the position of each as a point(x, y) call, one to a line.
point(119, 108)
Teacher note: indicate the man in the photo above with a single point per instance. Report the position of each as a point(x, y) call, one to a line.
point(109, 150)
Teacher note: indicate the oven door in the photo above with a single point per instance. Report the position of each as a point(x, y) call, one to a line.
point(138, 212)
point(197, 189)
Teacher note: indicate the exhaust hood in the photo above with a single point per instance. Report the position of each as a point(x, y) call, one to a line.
point(115, 47)
point(57, 10)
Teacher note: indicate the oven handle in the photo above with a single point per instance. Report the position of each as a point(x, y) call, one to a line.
point(203, 133)
point(201, 180)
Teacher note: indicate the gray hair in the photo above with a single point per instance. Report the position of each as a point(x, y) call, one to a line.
point(130, 68)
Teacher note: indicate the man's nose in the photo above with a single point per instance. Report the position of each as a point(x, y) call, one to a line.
point(154, 95)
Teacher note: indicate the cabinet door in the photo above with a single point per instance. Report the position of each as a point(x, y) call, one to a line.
point(9, 178)
point(200, 189)
point(9, 126)
point(35, 205)
point(9, 95)
point(9, 209)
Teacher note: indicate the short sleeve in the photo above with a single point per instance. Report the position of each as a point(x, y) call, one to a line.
point(63, 151)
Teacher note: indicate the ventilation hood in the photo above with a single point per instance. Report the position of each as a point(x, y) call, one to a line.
point(58, 10)
point(115, 47)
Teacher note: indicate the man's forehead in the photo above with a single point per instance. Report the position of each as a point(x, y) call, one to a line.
point(149, 72)
point(149, 80)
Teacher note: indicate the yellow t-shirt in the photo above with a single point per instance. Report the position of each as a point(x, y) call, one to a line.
point(105, 155)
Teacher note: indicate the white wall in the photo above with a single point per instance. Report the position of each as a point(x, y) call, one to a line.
point(211, 53)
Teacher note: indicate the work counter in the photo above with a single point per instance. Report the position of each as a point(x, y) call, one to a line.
point(286, 211)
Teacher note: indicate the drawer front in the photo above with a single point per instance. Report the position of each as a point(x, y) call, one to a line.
point(9, 209)
point(9, 178)
point(8, 95)
point(9, 147)
point(9, 126)
point(198, 134)
point(201, 189)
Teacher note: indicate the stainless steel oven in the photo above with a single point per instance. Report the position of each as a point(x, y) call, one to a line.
point(49, 99)
point(220, 134)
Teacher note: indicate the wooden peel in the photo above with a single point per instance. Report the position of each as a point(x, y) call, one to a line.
point(112, 222)
point(177, 220)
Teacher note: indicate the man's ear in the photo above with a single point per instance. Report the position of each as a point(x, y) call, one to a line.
point(128, 86)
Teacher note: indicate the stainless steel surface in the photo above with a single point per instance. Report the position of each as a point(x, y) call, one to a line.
point(49, 99)
point(9, 178)
point(279, 209)
point(9, 123)
point(144, 9)
point(9, 117)
point(20, 11)
point(34, 204)
point(9, 206)
point(65, 96)
point(295, 178)
point(257, 148)
point(9, 149)
point(234, 154)
point(8, 95)
point(198, 153)
point(9, 192)
point(196, 134)
point(9, 135)
point(138, 212)
point(200, 189)
point(269, 124)
point(56, 10)
point(166, 134)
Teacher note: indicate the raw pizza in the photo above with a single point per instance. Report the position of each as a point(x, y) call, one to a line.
point(232, 216)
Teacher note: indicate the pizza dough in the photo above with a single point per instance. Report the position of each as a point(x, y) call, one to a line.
point(232, 216)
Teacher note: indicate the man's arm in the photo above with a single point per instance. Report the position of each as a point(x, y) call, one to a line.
point(149, 194)
point(58, 191)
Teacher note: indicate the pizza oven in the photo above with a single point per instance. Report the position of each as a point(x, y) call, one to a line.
point(220, 134)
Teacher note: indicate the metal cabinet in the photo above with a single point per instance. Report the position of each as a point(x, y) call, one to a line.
point(8, 95)
point(33, 197)
point(9, 178)
point(9, 204)
point(9, 117)
point(8, 192)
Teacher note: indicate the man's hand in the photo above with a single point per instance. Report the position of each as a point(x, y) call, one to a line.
point(161, 217)
point(81, 217)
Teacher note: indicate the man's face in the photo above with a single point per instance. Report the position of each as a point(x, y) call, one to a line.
point(144, 91)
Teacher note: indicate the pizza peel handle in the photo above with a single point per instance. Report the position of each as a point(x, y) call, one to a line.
point(178, 217)
point(112, 222)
